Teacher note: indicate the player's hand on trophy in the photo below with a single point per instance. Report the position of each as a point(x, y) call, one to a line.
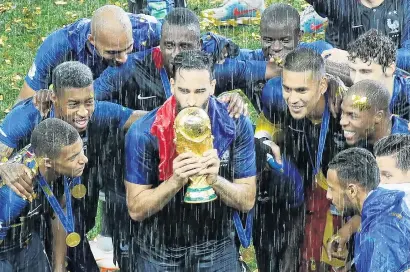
point(237, 105)
point(18, 177)
point(211, 163)
point(336, 246)
point(186, 165)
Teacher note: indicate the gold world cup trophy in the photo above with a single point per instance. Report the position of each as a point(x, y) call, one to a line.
point(193, 134)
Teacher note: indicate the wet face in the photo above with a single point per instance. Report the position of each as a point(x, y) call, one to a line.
point(357, 124)
point(338, 194)
point(389, 172)
point(302, 92)
point(192, 88)
point(176, 39)
point(278, 40)
point(113, 47)
point(360, 70)
point(71, 160)
point(75, 106)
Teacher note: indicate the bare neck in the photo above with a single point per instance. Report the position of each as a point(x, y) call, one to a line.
point(317, 113)
point(381, 130)
point(49, 175)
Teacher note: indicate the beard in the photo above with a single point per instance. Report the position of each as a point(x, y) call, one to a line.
point(349, 208)
point(111, 62)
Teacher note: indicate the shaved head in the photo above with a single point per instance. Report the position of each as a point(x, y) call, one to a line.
point(109, 19)
point(111, 33)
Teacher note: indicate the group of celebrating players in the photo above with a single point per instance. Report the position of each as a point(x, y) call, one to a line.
point(319, 182)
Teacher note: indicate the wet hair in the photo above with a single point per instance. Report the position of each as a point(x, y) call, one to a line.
point(183, 17)
point(281, 14)
point(304, 60)
point(397, 145)
point(373, 46)
point(50, 136)
point(71, 74)
point(193, 60)
point(378, 97)
point(358, 166)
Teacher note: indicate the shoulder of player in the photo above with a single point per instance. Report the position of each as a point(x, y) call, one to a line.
point(144, 124)
point(72, 35)
point(25, 110)
point(140, 130)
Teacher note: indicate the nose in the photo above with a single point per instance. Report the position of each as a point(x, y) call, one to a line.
point(121, 58)
point(175, 51)
point(329, 195)
point(83, 159)
point(191, 100)
point(277, 46)
point(293, 98)
point(343, 121)
point(82, 111)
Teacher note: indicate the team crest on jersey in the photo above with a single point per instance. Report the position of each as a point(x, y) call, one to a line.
point(32, 71)
point(225, 158)
point(393, 25)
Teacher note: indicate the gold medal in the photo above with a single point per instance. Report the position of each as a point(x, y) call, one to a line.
point(79, 191)
point(73, 239)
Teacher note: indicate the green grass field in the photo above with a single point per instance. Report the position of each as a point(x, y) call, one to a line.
point(25, 23)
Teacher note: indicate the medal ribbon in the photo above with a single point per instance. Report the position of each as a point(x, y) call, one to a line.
point(244, 234)
point(322, 139)
point(66, 220)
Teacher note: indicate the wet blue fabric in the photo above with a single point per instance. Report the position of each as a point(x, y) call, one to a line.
point(383, 242)
point(348, 19)
point(400, 102)
point(71, 43)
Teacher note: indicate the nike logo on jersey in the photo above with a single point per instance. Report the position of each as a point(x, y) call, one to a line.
point(145, 97)
point(237, 12)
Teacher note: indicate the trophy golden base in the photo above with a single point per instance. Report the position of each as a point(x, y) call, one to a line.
point(199, 195)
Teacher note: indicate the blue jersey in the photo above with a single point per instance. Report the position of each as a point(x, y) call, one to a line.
point(400, 102)
point(22, 119)
point(383, 242)
point(399, 125)
point(71, 43)
point(318, 46)
point(179, 224)
point(141, 87)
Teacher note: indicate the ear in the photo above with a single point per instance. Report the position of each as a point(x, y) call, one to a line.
point(323, 84)
point(352, 191)
point(390, 70)
point(53, 97)
point(47, 163)
point(172, 81)
point(91, 39)
point(379, 116)
point(213, 84)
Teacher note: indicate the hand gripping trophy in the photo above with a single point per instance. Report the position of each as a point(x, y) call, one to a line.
point(193, 134)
